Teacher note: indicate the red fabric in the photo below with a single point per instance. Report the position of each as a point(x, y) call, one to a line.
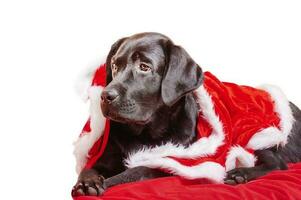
point(99, 77)
point(274, 186)
point(242, 110)
point(99, 147)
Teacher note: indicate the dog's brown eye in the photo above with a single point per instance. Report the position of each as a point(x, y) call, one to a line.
point(144, 67)
point(115, 68)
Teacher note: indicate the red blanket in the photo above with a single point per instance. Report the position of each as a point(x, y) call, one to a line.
point(276, 185)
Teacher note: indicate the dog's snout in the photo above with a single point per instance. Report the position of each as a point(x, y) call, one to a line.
point(109, 96)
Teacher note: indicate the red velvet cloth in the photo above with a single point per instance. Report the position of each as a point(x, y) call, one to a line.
point(242, 111)
point(276, 185)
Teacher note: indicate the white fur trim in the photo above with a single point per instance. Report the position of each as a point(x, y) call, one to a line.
point(157, 156)
point(97, 125)
point(273, 136)
point(266, 138)
point(84, 80)
point(209, 170)
point(244, 158)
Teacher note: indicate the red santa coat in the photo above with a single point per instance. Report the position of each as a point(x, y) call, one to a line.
point(233, 121)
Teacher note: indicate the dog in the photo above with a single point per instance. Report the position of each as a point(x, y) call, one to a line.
point(149, 100)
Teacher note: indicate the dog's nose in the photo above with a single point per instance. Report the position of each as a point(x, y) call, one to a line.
point(109, 95)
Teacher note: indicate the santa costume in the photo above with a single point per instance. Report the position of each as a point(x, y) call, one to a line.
point(233, 122)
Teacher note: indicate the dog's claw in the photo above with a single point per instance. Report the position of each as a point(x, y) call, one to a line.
point(87, 189)
point(92, 191)
point(90, 184)
point(229, 182)
point(236, 176)
point(77, 191)
point(239, 179)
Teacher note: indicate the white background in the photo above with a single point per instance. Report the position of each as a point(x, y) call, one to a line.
point(45, 44)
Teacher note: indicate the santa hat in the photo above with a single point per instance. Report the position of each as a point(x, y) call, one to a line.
point(233, 121)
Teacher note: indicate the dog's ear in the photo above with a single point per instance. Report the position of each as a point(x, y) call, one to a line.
point(182, 75)
point(112, 52)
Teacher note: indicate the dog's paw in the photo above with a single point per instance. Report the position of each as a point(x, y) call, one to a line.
point(238, 176)
point(89, 183)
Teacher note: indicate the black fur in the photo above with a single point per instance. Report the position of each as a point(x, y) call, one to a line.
point(157, 106)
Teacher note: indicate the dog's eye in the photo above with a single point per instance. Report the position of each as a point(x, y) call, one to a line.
point(114, 67)
point(144, 67)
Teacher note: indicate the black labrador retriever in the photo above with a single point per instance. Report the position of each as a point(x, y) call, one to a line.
point(160, 107)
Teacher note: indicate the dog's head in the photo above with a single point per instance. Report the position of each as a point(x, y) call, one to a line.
point(145, 72)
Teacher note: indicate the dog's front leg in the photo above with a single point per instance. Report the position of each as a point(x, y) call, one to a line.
point(91, 183)
point(133, 175)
